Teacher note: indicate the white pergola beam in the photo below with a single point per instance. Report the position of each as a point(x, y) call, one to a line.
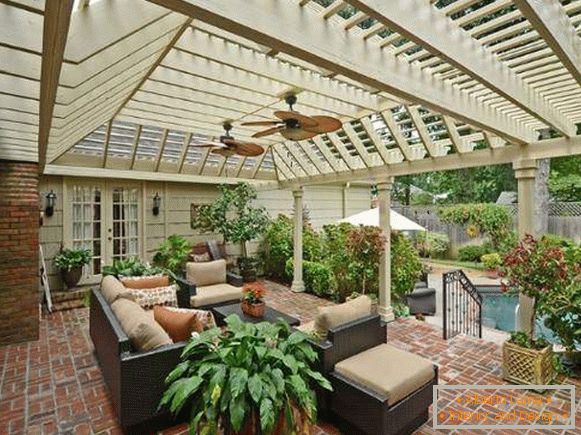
point(57, 18)
point(550, 20)
point(549, 148)
point(437, 33)
point(307, 36)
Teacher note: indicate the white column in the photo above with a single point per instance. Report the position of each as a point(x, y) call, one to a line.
point(385, 309)
point(298, 285)
point(345, 192)
point(525, 172)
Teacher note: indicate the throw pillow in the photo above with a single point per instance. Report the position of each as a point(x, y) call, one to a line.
point(112, 289)
point(200, 258)
point(335, 315)
point(145, 282)
point(179, 323)
point(148, 298)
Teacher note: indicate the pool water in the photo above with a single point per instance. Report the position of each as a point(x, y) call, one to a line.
point(499, 312)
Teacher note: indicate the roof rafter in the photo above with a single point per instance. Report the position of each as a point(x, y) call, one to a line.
point(551, 21)
point(434, 31)
point(309, 37)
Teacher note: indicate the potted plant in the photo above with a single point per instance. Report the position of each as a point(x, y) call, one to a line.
point(247, 266)
point(172, 255)
point(130, 267)
point(247, 379)
point(233, 215)
point(70, 262)
point(253, 301)
point(540, 272)
point(491, 262)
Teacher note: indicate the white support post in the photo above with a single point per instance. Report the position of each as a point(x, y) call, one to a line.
point(385, 309)
point(298, 285)
point(345, 205)
point(525, 172)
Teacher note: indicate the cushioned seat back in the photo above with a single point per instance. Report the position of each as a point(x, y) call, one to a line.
point(335, 315)
point(112, 289)
point(203, 274)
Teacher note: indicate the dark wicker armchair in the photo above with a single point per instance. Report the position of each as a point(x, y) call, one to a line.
point(363, 409)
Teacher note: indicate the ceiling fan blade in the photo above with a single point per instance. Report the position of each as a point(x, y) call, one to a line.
point(208, 145)
point(297, 134)
point(273, 122)
point(269, 131)
point(325, 124)
point(224, 152)
point(303, 120)
point(246, 149)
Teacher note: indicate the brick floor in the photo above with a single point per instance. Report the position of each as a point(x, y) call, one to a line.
point(54, 385)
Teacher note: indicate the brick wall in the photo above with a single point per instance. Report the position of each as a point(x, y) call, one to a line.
point(19, 216)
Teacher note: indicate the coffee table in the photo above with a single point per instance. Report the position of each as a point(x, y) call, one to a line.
point(270, 315)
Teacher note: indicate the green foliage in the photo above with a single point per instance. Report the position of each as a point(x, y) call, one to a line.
point(318, 277)
point(233, 215)
point(406, 267)
point(431, 245)
point(173, 254)
point(472, 253)
point(365, 244)
point(245, 373)
point(492, 260)
point(422, 198)
point(336, 256)
point(132, 266)
point(69, 259)
point(566, 188)
point(488, 219)
point(522, 339)
point(277, 246)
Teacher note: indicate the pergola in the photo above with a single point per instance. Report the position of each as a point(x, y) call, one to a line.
point(127, 89)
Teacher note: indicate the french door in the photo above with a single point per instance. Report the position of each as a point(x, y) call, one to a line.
point(102, 217)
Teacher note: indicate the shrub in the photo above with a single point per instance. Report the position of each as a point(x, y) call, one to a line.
point(132, 266)
point(491, 261)
point(318, 277)
point(277, 246)
point(489, 219)
point(432, 245)
point(406, 267)
point(335, 255)
point(471, 253)
point(173, 254)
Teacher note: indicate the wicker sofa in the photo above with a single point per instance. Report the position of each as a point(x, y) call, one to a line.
point(135, 378)
point(361, 367)
point(208, 285)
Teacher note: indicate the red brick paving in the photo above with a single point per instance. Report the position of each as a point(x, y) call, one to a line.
point(54, 385)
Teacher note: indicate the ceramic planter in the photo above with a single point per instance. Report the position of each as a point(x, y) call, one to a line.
point(72, 277)
point(254, 310)
point(527, 366)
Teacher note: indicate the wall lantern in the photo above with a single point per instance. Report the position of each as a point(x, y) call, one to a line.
point(50, 203)
point(156, 204)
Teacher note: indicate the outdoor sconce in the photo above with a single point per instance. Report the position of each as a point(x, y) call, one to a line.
point(50, 202)
point(156, 204)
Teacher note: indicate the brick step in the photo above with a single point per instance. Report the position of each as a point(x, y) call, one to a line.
point(70, 299)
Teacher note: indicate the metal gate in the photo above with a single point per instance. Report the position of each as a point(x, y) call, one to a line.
point(462, 306)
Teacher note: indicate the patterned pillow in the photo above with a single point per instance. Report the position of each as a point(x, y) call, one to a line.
point(200, 258)
point(148, 298)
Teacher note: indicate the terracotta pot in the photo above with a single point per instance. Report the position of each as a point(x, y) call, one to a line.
point(254, 310)
point(72, 277)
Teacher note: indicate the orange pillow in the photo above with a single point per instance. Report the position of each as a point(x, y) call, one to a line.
point(178, 325)
point(145, 282)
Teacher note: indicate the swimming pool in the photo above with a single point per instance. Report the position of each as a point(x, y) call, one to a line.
point(499, 312)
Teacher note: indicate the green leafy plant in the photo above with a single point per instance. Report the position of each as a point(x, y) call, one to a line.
point(172, 254)
point(488, 219)
point(69, 259)
point(365, 244)
point(233, 215)
point(472, 253)
point(277, 247)
point(406, 267)
point(128, 267)
point(491, 261)
point(248, 376)
point(253, 294)
point(431, 245)
point(318, 277)
point(522, 339)
point(337, 258)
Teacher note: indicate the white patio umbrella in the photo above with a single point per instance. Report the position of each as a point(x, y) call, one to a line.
point(371, 217)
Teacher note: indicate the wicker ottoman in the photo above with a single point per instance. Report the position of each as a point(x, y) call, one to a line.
point(383, 390)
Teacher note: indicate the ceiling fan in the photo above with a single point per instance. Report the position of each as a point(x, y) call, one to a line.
point(294, 126)
point(228, 146)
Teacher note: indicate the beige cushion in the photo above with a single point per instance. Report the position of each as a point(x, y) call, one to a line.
point(215, 294)
point(335, 315)
point(141, 328)
point(307, 328)
point(112, 289)
point(204, 274)
point(389, 371)
point(143, 282)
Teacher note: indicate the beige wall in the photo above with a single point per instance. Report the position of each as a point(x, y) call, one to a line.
point(325, 204)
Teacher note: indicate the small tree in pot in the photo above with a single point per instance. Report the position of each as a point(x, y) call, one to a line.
point(246, 379)
point(70, 262)
point(541, 272)
point(236, 219)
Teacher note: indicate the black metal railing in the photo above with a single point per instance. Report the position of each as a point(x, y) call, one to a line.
point(462, 306)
